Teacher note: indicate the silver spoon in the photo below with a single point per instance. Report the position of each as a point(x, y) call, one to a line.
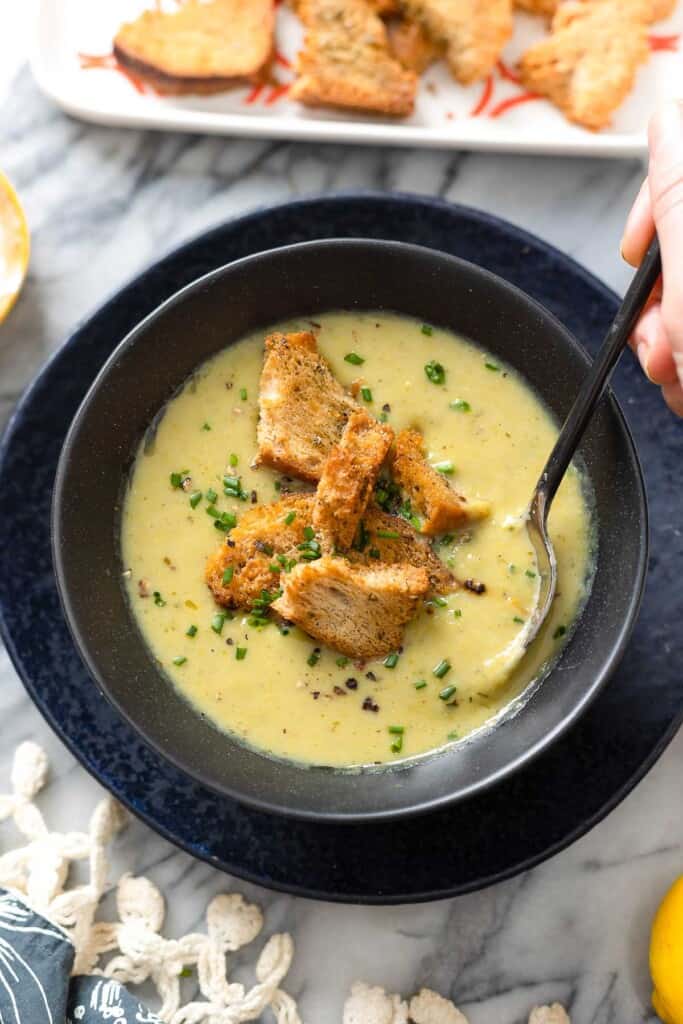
point(573, 430)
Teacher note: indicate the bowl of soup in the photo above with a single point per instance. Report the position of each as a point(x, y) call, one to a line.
point(289, 533)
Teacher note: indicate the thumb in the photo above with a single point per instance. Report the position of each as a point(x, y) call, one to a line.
point(666, 193)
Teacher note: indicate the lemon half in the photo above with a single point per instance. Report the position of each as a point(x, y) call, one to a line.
point(666, 956)
point(14, 246)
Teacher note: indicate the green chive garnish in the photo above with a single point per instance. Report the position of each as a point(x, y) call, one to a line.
point(457, 613)
point(388, 534)
point(176, 479)
point(366, 394)
point(391, 660)
point(206, 426)
point(453, 736)
point(518, 618)
point(426, 329)
point(234, 459)
point(309, 533)
point(228, 575)
point(460, 405)
point(342, 662)
point(243, 394)
point(384, 417)
point(180, 660)
point(191, 631)
point(435, 372)
point(240, 653)
point(217, 622)
point(560, 631)
point(420, 684)
point(313, 658)
point(530, 573)
point(211, 495)
point(375, 553)
point(492, 366)
point(158, 599)
point(186, 972)
point(446, 467)
point(442, 669)
point(195, 498)
point(397, 745)
point(447, 692)
point(290, 517)
point(397, 730)
point(441, 602)
point(354, 359)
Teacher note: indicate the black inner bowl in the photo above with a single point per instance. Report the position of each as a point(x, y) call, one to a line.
point(144, 372)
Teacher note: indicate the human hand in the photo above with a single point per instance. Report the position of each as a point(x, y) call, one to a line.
point(658, 336)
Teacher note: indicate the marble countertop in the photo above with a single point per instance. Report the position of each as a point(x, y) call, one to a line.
point(102, 203)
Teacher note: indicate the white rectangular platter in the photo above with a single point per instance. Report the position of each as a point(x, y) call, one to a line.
point(492, 115)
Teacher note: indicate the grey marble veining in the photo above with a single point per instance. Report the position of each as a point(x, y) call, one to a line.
point(102, 203)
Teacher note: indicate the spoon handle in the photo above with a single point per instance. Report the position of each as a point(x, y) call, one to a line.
point(644, 280)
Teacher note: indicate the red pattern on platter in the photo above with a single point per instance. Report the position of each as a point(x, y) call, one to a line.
point(513, 101)
point(659, 44)
point(108, 62)
point(484, 99)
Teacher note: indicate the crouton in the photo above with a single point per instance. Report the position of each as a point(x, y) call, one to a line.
point(473, 32)
point(348, 479)
point(411, 46)
point(588, 65)
point(345, 60)
point(252, 548)
point(255, 548)
point(303, 408)
point(545, 7)
point(200, 48)
point(443, 508)
point(391, 540)
point(358, 610)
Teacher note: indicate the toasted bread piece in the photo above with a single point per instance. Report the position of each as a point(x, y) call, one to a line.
point(411, 46)
point(395, 541)
point(252, 547)
point(588, 65)
point(443, 508)
point(472, 32)
point(545, 7)
point(200, 48)
point(358, 610)
point(303, 408)
point(345, 60)
point(262, 534)
point(657, 9)
point(348, 479)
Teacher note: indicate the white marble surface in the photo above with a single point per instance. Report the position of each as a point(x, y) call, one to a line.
point(102, 203)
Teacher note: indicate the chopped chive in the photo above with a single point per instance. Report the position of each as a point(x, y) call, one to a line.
point(313, 658)
point(442, 669)
point(354, 359)
point(397, 745)
point(530, 573)
point(342, 662)
point(211, 510)
point(492, 366)
point(290, 517)
point(180, 660)
point(396, 730)
point(460, 405)
point(234, 459)
point(176, 479)
point(441, 602)
point(240, 653)
point(195, 498)
point(186, 972)
point(309, 556)
point(375, 553)
point(158, 599)
point(447, 692)
point(191, 631)
point(243, 394)
point(228, 520)
point(420, 684)
point(228, 575)
point(309, 533)
point(457, 613)
point(391, 660)
point(435, 372)
point(447, 539)
point(426, 329)
point(206, 426)
point(519, 619)
point(274, 567)
point(388, 534)
point(453, 736)
point(560, 631)
point(217, 622)
point(384, 417)
point(366, 394)
point(211, 495)
point(445, 467)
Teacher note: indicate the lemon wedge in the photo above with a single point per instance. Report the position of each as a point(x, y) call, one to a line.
point(666, 956)
point(14, 246)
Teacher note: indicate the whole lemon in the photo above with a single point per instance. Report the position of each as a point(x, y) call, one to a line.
point(666, 956)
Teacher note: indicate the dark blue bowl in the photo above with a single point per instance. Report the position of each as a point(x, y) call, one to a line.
point(146, 369)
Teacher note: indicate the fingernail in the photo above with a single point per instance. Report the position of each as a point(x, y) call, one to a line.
point(643, 353)
point(666, 126)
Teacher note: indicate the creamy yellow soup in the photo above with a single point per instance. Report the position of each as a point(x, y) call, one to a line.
point(276, 689)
